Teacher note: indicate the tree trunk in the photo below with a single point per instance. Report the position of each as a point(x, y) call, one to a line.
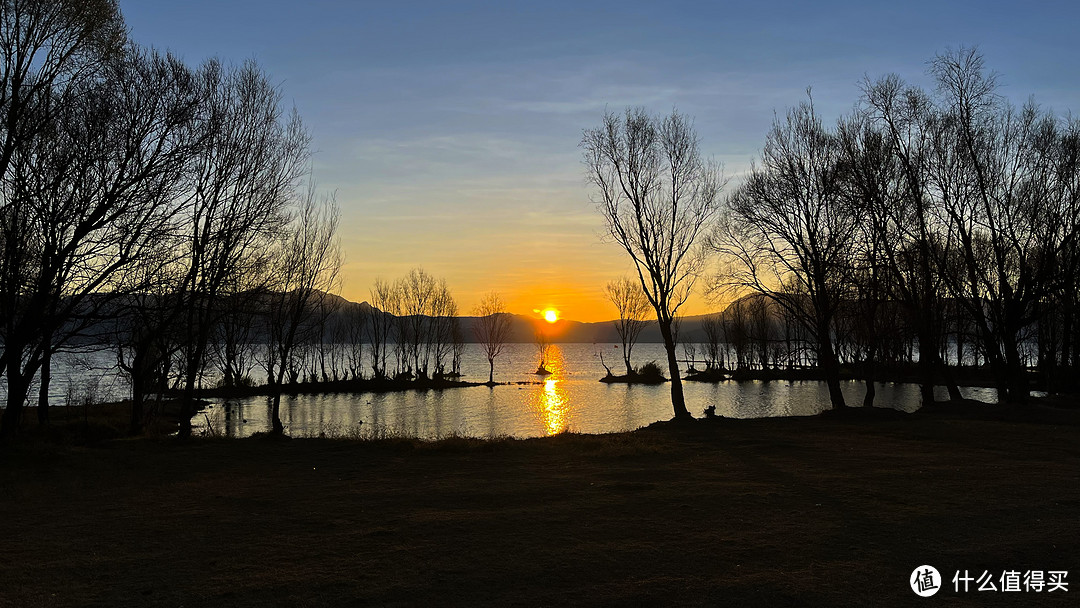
point(950, 381)
point(1016, 377)
point(998, 368)
point(678, 403)
point(1065, 379)
point(191, 376)
point(17, 386)
point(926, 393)
point(830, 367)
point(187, 407)
point(46, 378)
point(491, 371)
point(137, 399)
point(959, 347)
point(276, 427)
point(275, 416)
point(868, 378)
point(928, 357)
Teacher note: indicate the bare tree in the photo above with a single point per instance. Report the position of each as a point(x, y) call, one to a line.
point(247, 173)
point(424, 320)
point(457, 338)
point(633, 307)
point(761, 328)
point(690, 350)
point(543, 345)
point(384, 301)
point(712, 326)
point(90, 193)
point(790, 230)
point(492, 329)
point(309, 260)
point(146, 337)
point(443, 320)
point(890, 148)
point(1007, 221)
point(240, 309)
point(657, 195)
point(353, 330)
point(49, 50)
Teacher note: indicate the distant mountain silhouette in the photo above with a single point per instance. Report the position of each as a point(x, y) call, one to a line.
point(522, 327)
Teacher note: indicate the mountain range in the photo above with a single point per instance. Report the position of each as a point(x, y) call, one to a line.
point(523, 328)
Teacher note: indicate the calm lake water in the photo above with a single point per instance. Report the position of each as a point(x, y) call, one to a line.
point(571, 399)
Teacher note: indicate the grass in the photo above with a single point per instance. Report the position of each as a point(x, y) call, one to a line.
point(95, 424)
point(833, 510)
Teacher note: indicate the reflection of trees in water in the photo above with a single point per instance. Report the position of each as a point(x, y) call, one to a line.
point(627, 407)
point(234, 418)
point(491, 413)
point(570, 400)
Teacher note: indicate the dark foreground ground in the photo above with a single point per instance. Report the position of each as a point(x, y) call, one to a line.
point(835, 510)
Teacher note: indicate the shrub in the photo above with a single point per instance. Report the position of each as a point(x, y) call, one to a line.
point(651, 371)
point(241, 382)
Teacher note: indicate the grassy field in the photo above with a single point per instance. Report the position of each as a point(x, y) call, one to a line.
point(834, 510)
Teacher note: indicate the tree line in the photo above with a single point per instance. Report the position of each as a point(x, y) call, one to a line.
point(931, 221)
point(148, 196)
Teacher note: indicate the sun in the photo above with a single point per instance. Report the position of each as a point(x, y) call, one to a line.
point(551, 315)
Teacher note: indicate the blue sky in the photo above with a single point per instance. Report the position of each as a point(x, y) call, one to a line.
point(449, 130)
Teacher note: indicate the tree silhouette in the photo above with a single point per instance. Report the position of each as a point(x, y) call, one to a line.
point(243, 181)
point(543, 345)
point(633, 307)
point(307, 266)
point(88, 190)
point(492, 329)
point(384, 301)
point(790, 230)
point(657, 195)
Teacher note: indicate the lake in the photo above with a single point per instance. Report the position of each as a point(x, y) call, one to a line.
point(570, 399)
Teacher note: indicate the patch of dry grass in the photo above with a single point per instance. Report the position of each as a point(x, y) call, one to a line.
point(823, 511)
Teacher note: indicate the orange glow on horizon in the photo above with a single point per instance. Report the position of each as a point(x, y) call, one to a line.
point(573, 298)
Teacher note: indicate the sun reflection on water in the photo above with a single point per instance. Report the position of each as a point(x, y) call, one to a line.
point(551, 403)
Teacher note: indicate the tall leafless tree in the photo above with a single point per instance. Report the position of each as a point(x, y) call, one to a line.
point(49, 50)
point(789, 231)
point(890, 148)
point(308, 264)
point(712, 326)
point(1006, 221)
point(657, 195)
point(252, 161)
point(424, 322)
point(84, 199)
point(543, 346)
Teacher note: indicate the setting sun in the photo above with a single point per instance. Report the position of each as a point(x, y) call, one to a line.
point(551, 315)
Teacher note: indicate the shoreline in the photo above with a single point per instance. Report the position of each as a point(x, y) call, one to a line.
point(965, 377)
point(344, 386)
